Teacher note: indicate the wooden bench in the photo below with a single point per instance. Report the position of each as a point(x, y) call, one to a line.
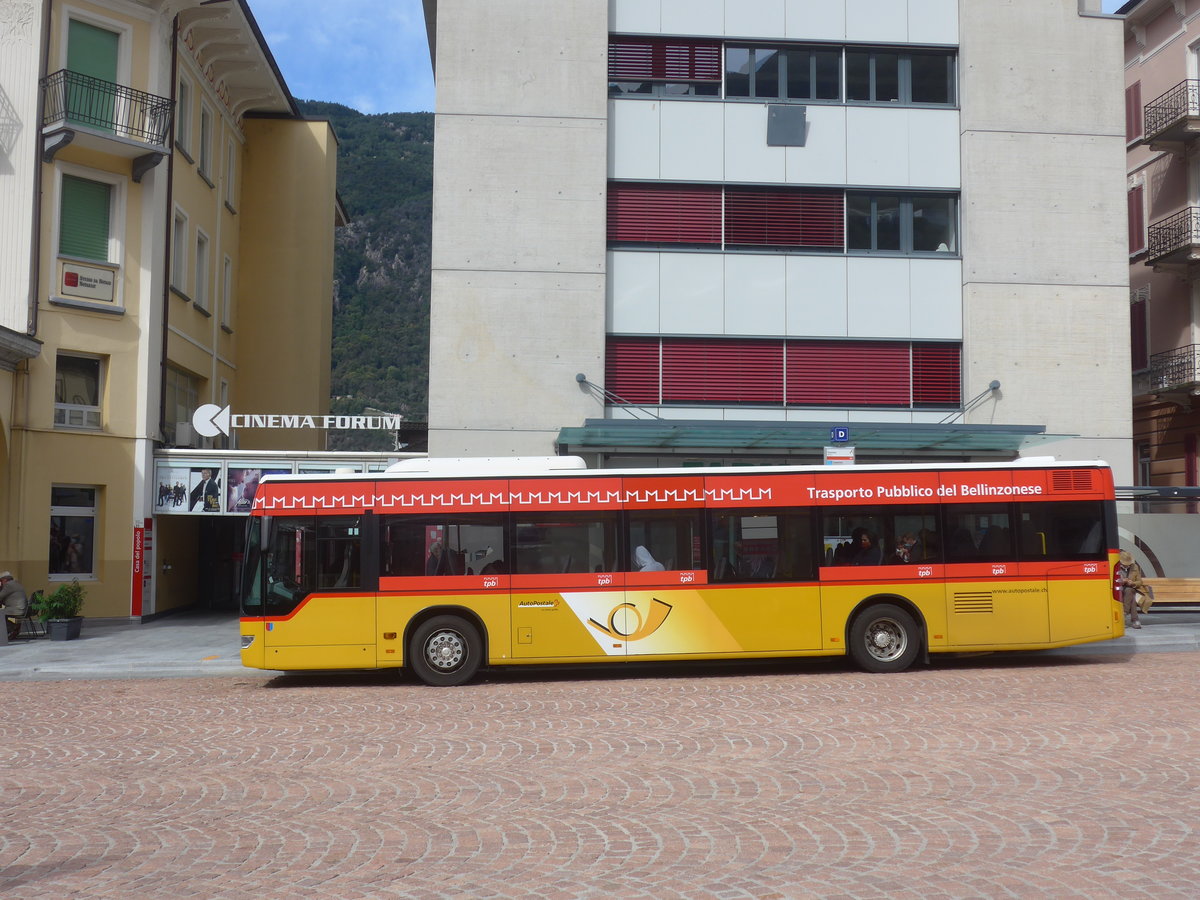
point(1175, 592)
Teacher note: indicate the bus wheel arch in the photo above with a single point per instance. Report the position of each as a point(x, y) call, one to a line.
point(885, 633)
point(445, 646)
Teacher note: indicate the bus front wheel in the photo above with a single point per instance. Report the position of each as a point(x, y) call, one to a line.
point(445, 651)
point(884, 638)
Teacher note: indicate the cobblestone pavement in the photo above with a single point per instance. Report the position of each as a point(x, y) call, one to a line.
point(988, 777)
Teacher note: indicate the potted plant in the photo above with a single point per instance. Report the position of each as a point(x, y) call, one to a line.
point(60, 611)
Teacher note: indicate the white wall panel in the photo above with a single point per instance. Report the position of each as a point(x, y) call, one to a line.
point(878, 21)
point(816, 296)
point(698, 17)
point(754, 294)
point(933, 148)
point(822, 159)
point(709, 413)
point(747, 156)
point(692, 292)
point(933, 21)
point(877, 297)
point(901, 416)
point(935, 286)
point(634, 16)
point(633, 127)
point(818, 415)
point(692, 141)
point(815, 20)
point(633, 280)
point(763, 18)
point(754, 414)
point(877, 146)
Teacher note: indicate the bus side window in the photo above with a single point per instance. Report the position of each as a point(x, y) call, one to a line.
point(762, 545)
point(671, 539)
point(562, 543)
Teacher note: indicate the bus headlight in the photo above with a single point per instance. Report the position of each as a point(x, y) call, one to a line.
point(247, 640)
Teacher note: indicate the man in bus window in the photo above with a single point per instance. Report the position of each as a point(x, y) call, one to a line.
point(434, 565)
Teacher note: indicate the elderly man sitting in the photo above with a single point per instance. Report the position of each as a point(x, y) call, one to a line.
point(12, 595)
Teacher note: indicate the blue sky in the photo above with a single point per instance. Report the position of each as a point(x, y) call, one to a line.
point(371, 55)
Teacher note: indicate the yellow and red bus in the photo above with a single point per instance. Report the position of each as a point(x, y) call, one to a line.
point(471, 563)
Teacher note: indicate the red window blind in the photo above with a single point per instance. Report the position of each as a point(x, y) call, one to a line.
point(631, 369)
point(1137, 220)
point(1139, 350)
point(1133, 112)
point(758, 217)
point(936, 375)
point(664, 213)
point(818, 373)
point(852, 373)
point(699, 370)
point(663, 59)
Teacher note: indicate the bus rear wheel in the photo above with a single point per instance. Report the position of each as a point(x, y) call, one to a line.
point(884, 638)
point(445, 651)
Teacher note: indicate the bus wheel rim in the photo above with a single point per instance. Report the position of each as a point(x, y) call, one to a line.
point(446, 650)
point(886, 640)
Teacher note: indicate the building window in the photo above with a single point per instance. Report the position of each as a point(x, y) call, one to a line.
point(1133, 112)
point(887, 76)
point(784, 218)
point(664, 66)
point(664, 213)
point(1144, 466)
point(77, 391)
point(206, 141)
point(902, 223)
point(72, 531)
point(1139, 335)
point(227, 294)
point(776, 73)
point(183, 117)
point(179, 245)
point(85, 219)
point(773, 372)
point(182, 393)
point(231, 175)
point(200, 296)
point(1137, 220)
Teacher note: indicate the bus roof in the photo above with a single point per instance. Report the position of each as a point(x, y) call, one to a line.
point(438, 468)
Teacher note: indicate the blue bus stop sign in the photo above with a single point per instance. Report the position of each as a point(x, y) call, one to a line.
point(839, 434)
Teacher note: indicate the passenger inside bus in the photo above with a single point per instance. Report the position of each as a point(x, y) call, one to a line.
point(645, 562)
point(864, 549)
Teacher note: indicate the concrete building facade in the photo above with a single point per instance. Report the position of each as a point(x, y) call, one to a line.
point(167, 242)
point(719, 230)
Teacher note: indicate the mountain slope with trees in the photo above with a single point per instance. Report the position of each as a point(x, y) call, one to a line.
point(381, 267)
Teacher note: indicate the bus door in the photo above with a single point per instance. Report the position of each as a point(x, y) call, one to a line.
point(762, 595)
point(991, 598)
point(317, 614)
point(1063, 545)
point(567, 586)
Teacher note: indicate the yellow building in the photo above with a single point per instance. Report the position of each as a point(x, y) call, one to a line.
point(166, 242)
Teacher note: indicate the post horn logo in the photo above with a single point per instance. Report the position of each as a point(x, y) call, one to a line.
point(644, 627)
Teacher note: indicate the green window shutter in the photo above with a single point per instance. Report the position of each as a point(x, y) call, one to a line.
point(84, 218)
point(92, 51)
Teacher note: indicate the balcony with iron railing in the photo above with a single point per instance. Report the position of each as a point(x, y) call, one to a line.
point(1173, 119)
point(1171, 372)
point(102, 115)
point(1175, 240)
